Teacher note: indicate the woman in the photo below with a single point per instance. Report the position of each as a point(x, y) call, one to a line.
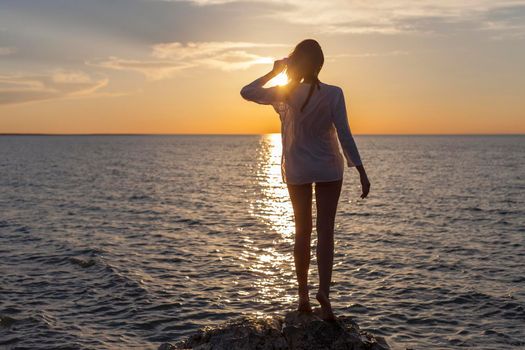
point(313, 119)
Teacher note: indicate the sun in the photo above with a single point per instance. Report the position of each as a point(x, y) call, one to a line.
point(279, 80)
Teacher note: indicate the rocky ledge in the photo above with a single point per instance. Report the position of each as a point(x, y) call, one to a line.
point(294, 330)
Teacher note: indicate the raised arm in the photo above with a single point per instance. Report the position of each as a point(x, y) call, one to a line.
point(255, 91)
point(344, 134)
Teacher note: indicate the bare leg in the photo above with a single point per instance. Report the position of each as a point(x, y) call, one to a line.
point(327, 198)
point(301, 196)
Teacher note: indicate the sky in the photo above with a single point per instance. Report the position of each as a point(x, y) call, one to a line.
point(163, 67)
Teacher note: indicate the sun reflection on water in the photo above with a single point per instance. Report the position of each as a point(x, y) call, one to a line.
point(273, 262)
point(275, 206)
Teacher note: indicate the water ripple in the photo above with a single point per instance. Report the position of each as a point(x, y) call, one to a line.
point(128, 242)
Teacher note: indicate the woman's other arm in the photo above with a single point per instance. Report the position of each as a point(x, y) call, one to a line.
point(353, 159)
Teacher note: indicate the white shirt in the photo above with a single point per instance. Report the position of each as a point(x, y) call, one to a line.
point(310, 151)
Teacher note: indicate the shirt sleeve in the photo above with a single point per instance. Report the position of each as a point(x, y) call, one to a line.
point(340, 120)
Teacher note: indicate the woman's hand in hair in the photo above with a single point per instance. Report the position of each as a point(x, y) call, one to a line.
point(279, 65)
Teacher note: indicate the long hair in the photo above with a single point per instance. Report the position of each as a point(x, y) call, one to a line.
point(305, 62)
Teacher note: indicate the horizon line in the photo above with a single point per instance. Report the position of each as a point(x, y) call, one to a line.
point(250, 134)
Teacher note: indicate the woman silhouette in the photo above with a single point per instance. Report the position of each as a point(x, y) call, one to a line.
point(311, 125)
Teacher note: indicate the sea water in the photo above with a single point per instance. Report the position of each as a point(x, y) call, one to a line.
point(125, 242)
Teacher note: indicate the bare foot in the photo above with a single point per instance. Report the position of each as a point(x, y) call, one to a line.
point(304, 306)
point(326, 312)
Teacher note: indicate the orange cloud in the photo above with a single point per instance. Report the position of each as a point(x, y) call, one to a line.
point(22, 88)
point(169, 58)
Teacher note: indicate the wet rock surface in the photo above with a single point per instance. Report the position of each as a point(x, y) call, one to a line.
point(294, 330)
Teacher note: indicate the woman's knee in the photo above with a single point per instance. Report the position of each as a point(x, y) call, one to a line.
point(325, 230)
point(325, 223)
point(303, 230)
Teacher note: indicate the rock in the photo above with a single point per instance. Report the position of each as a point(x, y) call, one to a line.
point(295, 330)
point(82, 262)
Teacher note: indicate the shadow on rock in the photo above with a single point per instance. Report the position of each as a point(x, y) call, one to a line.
point(296, 330)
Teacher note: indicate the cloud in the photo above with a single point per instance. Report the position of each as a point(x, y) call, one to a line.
point(380, 16)
point(22, 88)
point(166, 59)
point(203, 49)
point(505, 22)
point(6, 51)
point(152, 69)
point(367, 54)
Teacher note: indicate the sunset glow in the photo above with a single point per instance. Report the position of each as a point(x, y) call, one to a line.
point(147, 67)
point(279, 80)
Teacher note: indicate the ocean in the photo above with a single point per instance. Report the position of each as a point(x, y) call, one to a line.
point(126, 242)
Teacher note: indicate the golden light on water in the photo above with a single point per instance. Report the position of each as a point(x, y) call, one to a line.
point(274, 262)
point(276, 208)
